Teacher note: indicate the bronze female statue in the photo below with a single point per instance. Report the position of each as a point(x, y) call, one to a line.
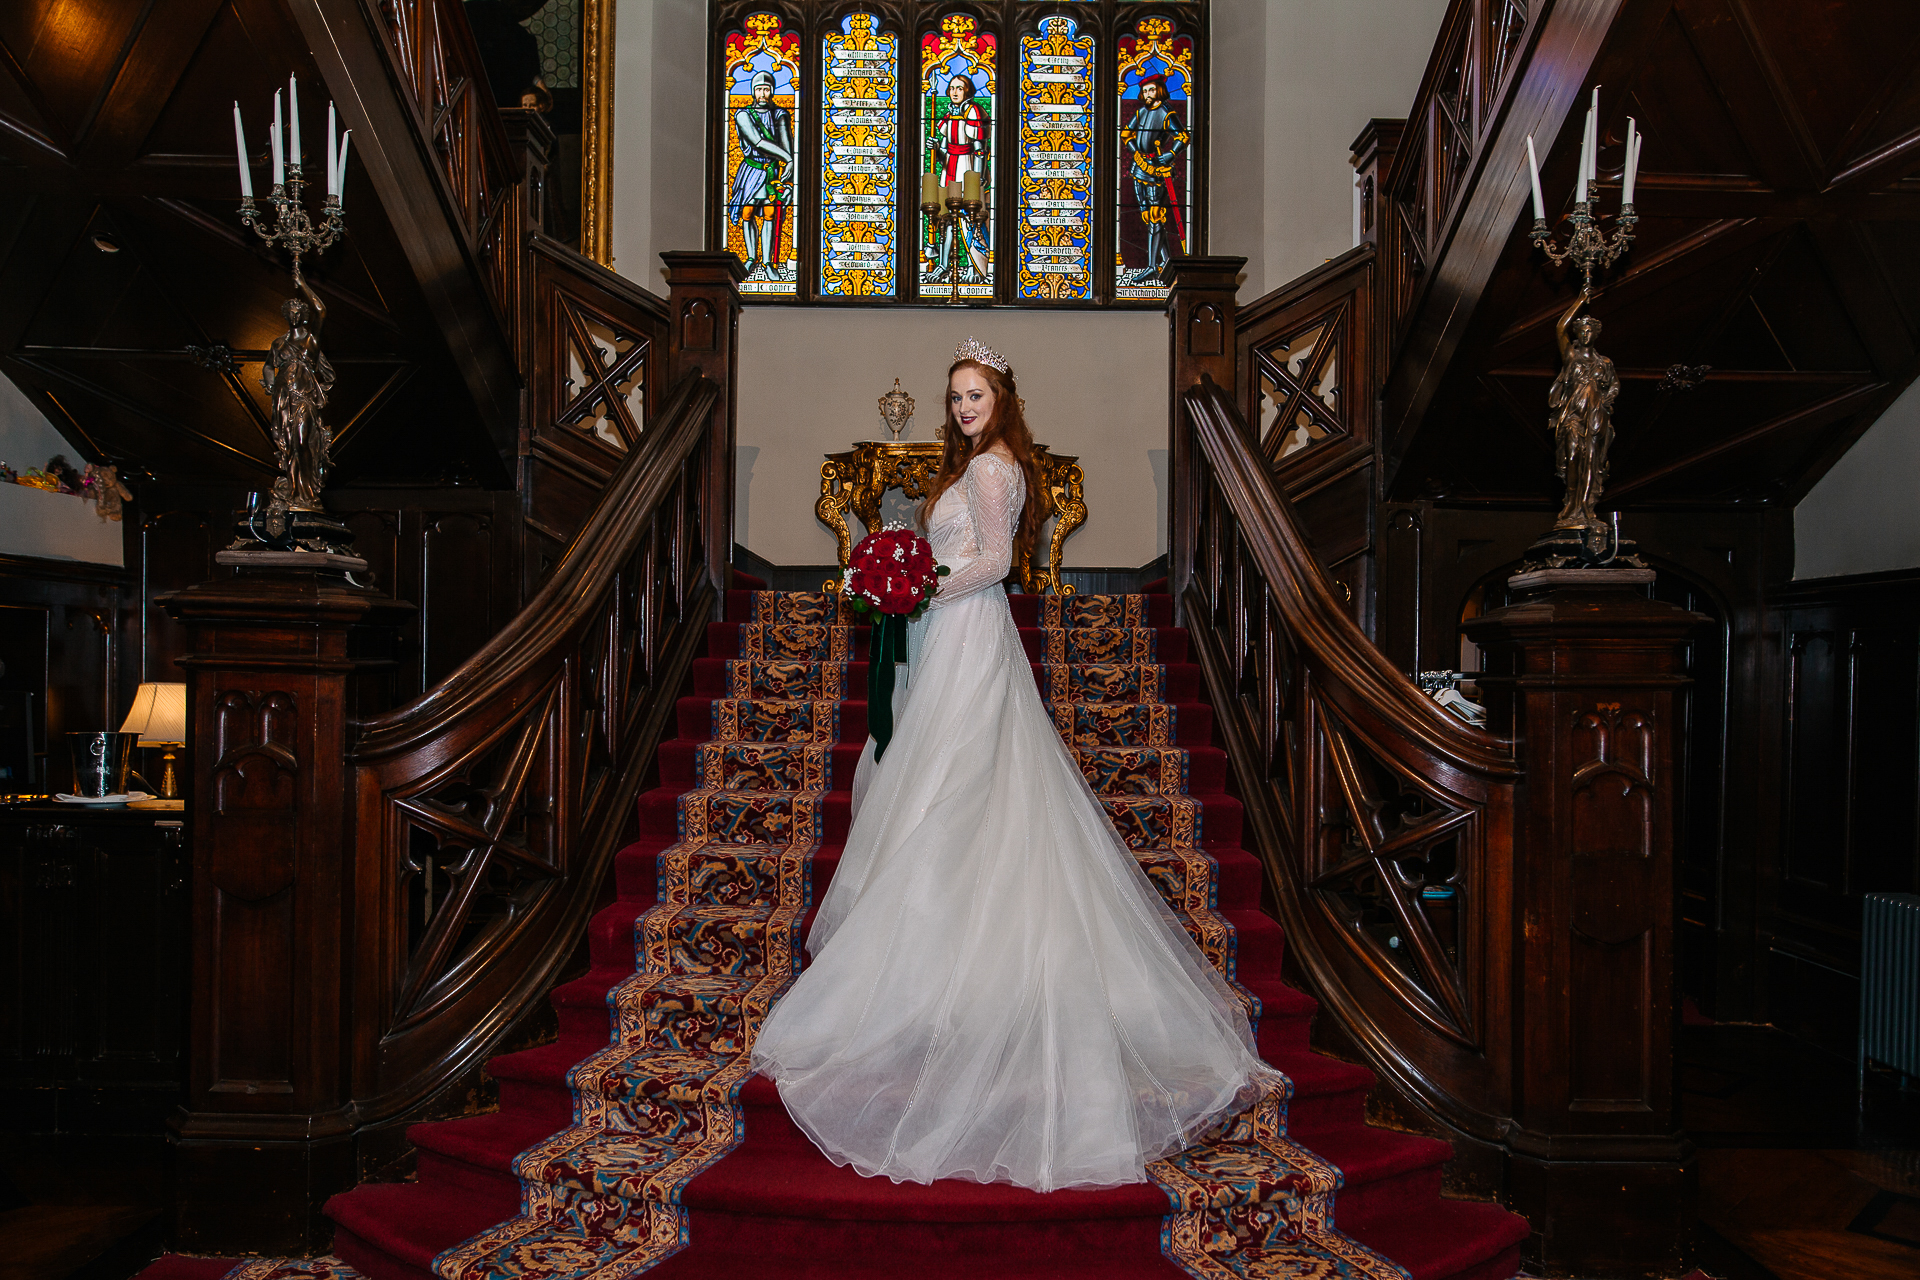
point(1580, 406)
point(298, 376)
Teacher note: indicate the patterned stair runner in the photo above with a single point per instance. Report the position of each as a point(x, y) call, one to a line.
point(662, 1102)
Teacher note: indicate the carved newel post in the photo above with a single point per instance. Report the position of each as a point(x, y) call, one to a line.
point(280, 663)
point(1588, 675)
point(1200, 325)
point(703, 310)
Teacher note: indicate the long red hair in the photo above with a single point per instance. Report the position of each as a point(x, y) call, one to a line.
point(1008, 426)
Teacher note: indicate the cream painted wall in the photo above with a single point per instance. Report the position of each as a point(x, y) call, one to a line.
point(659, 134)
point(1095, 385)
point(1331, 65)
point(1860, 517)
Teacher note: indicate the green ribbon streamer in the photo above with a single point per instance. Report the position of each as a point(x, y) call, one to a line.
point(888, 646)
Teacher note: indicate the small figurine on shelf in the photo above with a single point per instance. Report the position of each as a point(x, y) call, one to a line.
point(63, 474)
point(101, 486)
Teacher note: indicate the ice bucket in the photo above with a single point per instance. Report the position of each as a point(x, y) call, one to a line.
point(100, 762)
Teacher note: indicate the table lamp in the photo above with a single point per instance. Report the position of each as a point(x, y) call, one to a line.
point(159, 716)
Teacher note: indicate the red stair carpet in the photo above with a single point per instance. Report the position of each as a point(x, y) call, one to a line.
point(637, 1141)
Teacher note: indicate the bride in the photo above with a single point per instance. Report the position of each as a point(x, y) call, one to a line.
point(997, 992)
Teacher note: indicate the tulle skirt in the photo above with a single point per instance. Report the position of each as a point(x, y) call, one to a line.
point(996, 990)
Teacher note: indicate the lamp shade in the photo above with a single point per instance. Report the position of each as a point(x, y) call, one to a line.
point(159, 715)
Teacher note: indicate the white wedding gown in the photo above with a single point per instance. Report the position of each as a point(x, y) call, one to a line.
point(996, 992)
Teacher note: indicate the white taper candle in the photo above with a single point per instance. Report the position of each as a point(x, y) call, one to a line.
point(240, 149)
point(333, 156)
point(340, 175)
point(279, 145)
point(294, 149)
point(1533, 174)
point(1633, 168)
point(1626, 174)
point(1593, 127)
point(1586, 143)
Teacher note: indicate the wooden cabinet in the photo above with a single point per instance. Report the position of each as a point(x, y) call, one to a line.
point(93, 924)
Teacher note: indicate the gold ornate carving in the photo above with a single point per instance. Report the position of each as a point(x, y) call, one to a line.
point(856, 480)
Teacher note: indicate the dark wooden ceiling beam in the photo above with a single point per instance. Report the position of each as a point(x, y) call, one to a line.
point(147, 78)
point(1827, 409)
point(1768, 119)
point(351, 49)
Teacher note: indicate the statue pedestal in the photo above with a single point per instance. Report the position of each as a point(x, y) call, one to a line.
point(280, 663)
point(311, 560)
point(1588, 673)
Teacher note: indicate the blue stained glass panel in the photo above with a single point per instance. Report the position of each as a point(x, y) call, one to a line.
point(1056, 162)
point(1154, 211)
point(957, 88)
point(760, 119)
point(859, 160)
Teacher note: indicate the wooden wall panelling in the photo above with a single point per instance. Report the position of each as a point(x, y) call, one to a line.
point(453, 554)
point(1849, 776)
point(178, 529)
point(93, 985)
point(83, 613)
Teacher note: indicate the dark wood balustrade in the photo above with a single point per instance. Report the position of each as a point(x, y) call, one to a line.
point(435, 57)
point(394, 896)
point(1385, 822)
point(1489, 919)
point(487, 811)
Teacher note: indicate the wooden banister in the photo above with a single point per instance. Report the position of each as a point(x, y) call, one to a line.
point(1351, 776)
point(1490, 919)
point(511, 781)
point(378, 905)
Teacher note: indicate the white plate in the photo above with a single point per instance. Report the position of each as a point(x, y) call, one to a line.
point(64, 798)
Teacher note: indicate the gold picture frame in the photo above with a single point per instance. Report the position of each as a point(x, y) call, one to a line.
point(596, 131)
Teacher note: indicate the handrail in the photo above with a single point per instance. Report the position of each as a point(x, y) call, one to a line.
point(487, 811)
point(1385, 824)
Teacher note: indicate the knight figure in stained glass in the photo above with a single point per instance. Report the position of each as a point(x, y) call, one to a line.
point(957, 79)
point(859, 160)
point(763, 94)
point(1056, 163)
point(1156, 170)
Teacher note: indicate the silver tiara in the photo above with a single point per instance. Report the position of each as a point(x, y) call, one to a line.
point(973, 349)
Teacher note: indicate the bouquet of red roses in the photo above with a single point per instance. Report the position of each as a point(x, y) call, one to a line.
point(892, 576)
point(892, 571)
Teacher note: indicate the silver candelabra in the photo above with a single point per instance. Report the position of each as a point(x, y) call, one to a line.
point(294, 229)
point(1588, 247)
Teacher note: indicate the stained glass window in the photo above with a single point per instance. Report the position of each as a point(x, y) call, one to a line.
point(760, 120)
point(818, 170)
point(1155, 198)
point(957, 114)
point(1056, 162)
point(859, 158)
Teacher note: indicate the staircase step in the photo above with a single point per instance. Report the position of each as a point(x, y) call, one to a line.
point(701, 719)
point(1448, 1240)
point(394, 1229)
point(715, 677)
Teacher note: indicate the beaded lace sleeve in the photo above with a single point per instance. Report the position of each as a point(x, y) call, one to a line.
point(995, 490)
